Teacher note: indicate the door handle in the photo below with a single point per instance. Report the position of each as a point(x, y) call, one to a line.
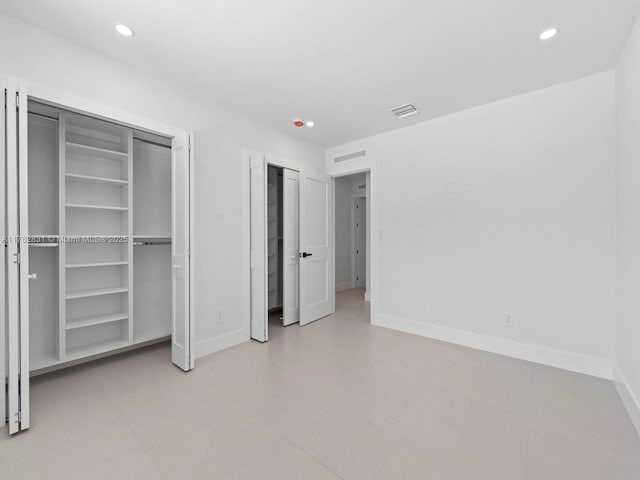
point(176, 266)
point(32, 276)
point(305, 254)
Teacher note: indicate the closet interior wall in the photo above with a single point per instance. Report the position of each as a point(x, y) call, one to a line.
point(99, 236)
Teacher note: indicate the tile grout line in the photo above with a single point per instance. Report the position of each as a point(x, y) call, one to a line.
point(132, 430)
point(393, 450)
point(278, 434)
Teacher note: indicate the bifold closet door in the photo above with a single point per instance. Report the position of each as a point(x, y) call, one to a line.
point(317, 292)
point(258, 234)
point(3, 254)
point(182, 338)
point(291, 247)
point(17, 258)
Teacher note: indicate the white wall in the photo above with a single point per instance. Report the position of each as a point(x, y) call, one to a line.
point(345, 188)
point(528, 225)
point(43, 59)
point(628, 129)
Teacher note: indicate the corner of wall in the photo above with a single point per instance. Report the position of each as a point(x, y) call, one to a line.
point(629, 398)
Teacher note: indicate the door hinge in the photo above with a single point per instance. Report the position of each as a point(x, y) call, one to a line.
point(17, 100)
point(17, 255)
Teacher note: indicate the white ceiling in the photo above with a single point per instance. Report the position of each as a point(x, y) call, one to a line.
point(345, 63)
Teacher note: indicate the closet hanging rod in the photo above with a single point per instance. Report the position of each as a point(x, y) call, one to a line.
point(150, 142)
point(138, 244)
point(45, 117)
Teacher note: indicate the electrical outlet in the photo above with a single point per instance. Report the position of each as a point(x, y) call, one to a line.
point(508, 320)
point(219, 317)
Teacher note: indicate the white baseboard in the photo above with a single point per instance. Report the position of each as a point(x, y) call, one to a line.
point(597, 367)
point(629, 398)
point(367, 296)
point(215, 344)
point(341, 287)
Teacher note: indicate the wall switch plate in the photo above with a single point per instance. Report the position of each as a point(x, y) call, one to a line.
point(508, 320)
point(448, 187)
point(219, 317)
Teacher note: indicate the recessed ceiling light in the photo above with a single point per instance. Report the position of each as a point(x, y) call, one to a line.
point(310, 124)
point(548, 34)
point(123, 30)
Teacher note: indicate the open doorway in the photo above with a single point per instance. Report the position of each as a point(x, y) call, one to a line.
point(352, 228)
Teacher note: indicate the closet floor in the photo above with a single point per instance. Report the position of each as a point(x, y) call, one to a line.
point(336, 399)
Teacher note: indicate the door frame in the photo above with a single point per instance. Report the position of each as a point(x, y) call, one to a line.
point(275, 161)
point(366, 165)
point(354, 240)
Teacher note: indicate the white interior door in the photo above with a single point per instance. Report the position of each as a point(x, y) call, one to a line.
point(317, 295)
point(181, 198)
point(258, 234)
point(291, 247)
point(24, 273)
point(17, 277)
point(361, 241)
point(3, 254)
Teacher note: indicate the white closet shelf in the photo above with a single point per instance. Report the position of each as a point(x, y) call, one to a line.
point(96, 207)
point(95, 349)
point(101, 180)
point(39, 236)
point(95, 293)
point(95, 151)
point(96, 264)
point(97, 320)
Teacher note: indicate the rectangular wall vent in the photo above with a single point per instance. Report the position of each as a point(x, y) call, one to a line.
point(350, 156)
point(405, 111)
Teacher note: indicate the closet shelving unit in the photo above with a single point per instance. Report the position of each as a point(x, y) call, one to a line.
point(95, 219)
point(272, 238)
point(82, 194)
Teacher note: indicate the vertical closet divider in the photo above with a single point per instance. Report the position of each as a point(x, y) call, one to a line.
point(129, 216)
point(62, 232)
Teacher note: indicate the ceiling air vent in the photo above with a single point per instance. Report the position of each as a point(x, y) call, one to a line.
point(350, 156)
point(405, 111)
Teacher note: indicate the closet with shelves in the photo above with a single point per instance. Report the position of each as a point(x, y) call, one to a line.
point(98, 238)
point(99, 209)
point(274, 237)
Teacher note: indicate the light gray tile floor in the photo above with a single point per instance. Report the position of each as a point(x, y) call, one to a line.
point(336, 399)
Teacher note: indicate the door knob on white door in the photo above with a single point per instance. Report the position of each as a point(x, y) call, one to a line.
point(176, 266)
point(32, 276)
